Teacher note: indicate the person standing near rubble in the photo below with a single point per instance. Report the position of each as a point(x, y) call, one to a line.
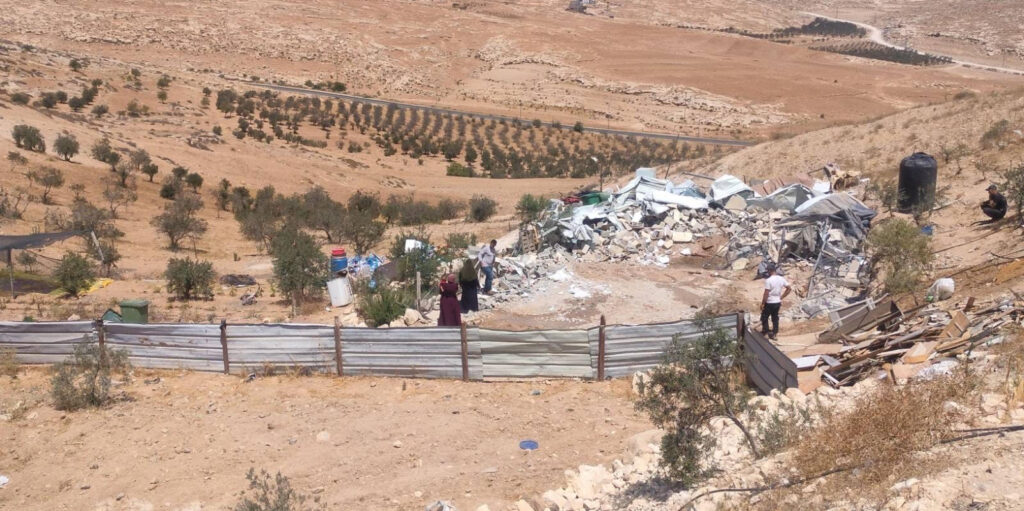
point(487, 255)
point(449, 314)
point(776, 287)
point(469, 280)
point(995, 206)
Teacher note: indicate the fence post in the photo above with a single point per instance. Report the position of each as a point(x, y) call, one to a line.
point(465, 353)
point(600, 350)
point(337, 344)
point(101, 339)
point(419, 293)
point(740, 326)
point(224, 345)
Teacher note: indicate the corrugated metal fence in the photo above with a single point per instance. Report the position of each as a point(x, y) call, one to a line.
point(467, 353)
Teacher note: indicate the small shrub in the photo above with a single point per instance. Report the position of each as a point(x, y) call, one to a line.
point(482, 208)
point(530, 206)
point(457, 241)
point(74, 273)
point(1013, 183)
point(8, 362)
point(20, 98)
point(902, 252)
point(383, 304)
point(996, 134)
point(459, 170)
point(83, 379)
point(268, 493)
point(100, 110)
point(27, 260)
point(299, 266)
point(450, 209)
point(187, 278)
point(180, 220)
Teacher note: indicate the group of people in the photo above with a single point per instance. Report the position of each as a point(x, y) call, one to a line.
point(453, 306)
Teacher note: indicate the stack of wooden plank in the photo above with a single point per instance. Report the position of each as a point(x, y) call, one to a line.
point(902, 344)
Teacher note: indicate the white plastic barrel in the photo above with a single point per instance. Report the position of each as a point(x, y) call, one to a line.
point(340, 290)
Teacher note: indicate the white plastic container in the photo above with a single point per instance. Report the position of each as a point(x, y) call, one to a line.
point(340, 290)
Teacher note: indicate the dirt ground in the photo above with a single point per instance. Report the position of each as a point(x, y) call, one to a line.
point(187, 440)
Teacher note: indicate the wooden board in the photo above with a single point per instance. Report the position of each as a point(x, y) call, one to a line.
point(958, 324)
point(919, 352)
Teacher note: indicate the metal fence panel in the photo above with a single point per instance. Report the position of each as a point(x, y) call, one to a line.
point(43, 342)
point(281, 345)
point(634, 348)
point(168, 345)
point(413, 352)
point(767, 367)
point(543, 353)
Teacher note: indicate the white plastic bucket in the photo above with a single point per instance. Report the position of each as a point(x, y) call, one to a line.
point(340, 290)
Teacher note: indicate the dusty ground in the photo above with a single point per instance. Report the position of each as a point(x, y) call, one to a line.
point(187, 441)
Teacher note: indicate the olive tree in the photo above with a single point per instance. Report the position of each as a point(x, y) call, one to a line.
point(66, 146)
point(180, 221)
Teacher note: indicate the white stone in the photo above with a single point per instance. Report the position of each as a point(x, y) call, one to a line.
point(682, 237)
point(645, 443)
point(589, 480)
point(323, 436)
point(411, 317)
point(796, 395)
point(555, 499)
point(522, 505)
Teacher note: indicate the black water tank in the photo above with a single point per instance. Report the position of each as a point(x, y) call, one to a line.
point(918, 175)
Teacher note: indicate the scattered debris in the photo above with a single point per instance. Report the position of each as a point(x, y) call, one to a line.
point(886, 342)
point(237, 280)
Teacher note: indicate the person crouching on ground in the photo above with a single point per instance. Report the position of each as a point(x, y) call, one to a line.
point(449, 315)
point(995, 206)
point(775, 289)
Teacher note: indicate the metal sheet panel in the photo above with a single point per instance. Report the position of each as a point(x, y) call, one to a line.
point(544, 353)
point(410, 352)
point(43, 342)
point(634, 348)
point(767, 367)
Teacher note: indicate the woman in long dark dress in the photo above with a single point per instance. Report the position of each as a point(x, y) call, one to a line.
point(469, 280)
point(450, 315)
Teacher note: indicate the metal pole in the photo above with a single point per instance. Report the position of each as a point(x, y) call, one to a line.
point(600, 350)
point(419, 287)
point(337, 345)
point(10, 269)
point(224, 345)
point(465, 352)
point(101, 338)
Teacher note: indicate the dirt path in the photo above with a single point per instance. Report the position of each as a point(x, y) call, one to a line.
point(186, 441)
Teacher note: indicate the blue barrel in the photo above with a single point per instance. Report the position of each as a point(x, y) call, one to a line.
point(339, 260)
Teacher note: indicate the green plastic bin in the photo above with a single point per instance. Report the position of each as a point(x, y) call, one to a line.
point(135, 311)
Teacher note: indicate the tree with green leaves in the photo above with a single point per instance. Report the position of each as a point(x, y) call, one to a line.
point(194, 180)
point(28, 137)
point(49, 178)
point(530, 207)
point(104, 152)
point(180, 221)
point(74, 273)
point(66, 146)
point(698, 380)
point(322, 213)
point(300, 268)
point(1013, 183)
point(188, 278)
point(901, 252)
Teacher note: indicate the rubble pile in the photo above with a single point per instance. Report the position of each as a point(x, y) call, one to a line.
point(878, 339)
point(730, 225)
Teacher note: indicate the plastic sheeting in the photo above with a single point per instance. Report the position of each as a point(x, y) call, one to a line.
point(34, 240)
point(727, 186)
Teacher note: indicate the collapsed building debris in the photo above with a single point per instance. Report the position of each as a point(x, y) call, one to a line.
point(650, 221)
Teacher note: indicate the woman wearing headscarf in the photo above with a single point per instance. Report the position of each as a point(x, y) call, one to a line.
point(470, 283)
point(450, 315)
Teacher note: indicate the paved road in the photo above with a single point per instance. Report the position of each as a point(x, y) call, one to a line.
point(876, 35)
point(606, 131)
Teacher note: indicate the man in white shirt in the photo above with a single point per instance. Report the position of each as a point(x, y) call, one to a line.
point(486, 256)
point(775, 289)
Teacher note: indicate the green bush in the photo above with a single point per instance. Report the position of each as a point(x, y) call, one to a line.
point(188, 279)
point(74, 273)
point(450, 209)
point(699, 380)
point(530, 206)
point(1013, 183)
point(8, 362)
point(459, 170)
point(902, 252)
point(268, 493)
point(383, 303)
point(422, 260)
point(20, 98)
point(83, 379)
point(482, 208)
